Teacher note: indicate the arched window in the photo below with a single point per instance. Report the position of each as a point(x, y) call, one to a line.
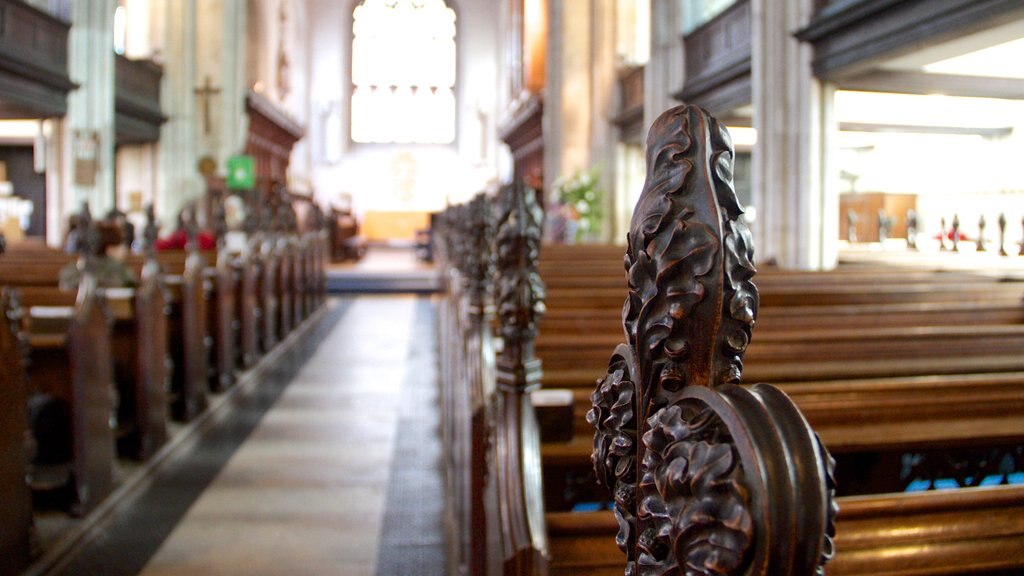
point(403, 72)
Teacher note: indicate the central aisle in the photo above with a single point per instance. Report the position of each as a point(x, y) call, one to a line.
point(305, 494)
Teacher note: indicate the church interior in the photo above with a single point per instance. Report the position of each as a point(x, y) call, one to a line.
point(512, 287)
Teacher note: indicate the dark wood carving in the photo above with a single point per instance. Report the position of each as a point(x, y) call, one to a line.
point(718, 61)
point(520, 305)
point(474, 234)
point(16, 511)
point(708, 477)
point(137, 112)
point(524, 134)
point(34, 80)
point(272, 134)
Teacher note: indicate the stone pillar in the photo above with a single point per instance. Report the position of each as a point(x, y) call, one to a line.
point(797, 222)
point(234, 122)
point(568, 109)
point(604, 135)
point(178, 138)
point(664, 72)
point(89, 125)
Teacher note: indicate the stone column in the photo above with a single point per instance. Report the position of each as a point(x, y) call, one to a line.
point(664, 72)
point(234, 122)
point(568, 108)
point(604, 135)
point(178, 138)
point(797, 220)
point(89, 125)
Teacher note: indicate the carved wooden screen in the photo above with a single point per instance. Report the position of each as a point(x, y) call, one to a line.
point(708, 477)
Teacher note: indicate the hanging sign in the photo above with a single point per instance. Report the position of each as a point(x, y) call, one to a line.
point(241, 172)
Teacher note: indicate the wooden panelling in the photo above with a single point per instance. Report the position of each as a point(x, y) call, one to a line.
point(34, 78)
point(272, 134)
point(524, 134)
point(850, 36)
point(630, 117)
point(717, 62)
point(137, 100)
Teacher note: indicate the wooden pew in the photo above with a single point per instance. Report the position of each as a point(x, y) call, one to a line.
point(71, 361)
point(267, 292)
point(923, 534)
point(247, 306)
point(922, 547)
point(16, 511)
point(138, 341)
point(188, 334)
point(496, 501)
point(922, 550)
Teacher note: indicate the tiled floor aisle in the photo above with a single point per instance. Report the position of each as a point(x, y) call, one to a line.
point(305, 493)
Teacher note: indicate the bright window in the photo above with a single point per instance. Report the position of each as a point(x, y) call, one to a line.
point(403, 72)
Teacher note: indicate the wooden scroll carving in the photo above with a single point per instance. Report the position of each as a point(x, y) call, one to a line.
point(520, 304)
point(708, 477)
point(521, 293)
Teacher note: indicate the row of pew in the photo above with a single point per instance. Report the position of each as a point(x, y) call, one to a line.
point(114, 365)
point(911, 378)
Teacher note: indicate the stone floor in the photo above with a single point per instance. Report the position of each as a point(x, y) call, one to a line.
point(306, 488)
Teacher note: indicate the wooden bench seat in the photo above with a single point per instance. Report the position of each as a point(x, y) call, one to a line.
point(968, 531)
point(70, 361)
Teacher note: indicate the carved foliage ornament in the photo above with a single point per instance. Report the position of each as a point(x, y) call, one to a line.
point(477, 232)
point(520, 297)
point(708, 478)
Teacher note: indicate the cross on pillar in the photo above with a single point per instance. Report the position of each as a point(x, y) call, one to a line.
point(206, 92)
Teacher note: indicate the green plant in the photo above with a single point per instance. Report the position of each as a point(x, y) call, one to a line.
point(581, 199)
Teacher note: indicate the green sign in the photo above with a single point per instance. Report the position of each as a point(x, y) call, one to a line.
point(241, 173)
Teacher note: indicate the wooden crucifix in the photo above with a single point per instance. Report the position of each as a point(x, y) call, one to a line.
point(206, 92)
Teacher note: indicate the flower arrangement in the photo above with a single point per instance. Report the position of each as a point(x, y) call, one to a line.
point(579, 199)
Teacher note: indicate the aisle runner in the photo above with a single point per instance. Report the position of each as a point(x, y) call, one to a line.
point(305, 493)
point(412, 537)
point(135, 533)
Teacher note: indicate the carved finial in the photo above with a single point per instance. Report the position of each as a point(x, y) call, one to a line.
point(956, 232)
point(1002, 234)
point(1022, 239)
point(521, 292)
point(980, 244)
point(191, 228)
point(220, 224)
point(942, 234)
point(708, 477)
point(478, 236)
point(883, 226)
point(88, 239)
point(851, 226)
point(151, 232)
point(912, 229)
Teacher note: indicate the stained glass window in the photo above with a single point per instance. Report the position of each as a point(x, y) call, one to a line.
point(403, 72)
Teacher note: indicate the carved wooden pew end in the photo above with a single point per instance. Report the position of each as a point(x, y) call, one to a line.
point(706, 475)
